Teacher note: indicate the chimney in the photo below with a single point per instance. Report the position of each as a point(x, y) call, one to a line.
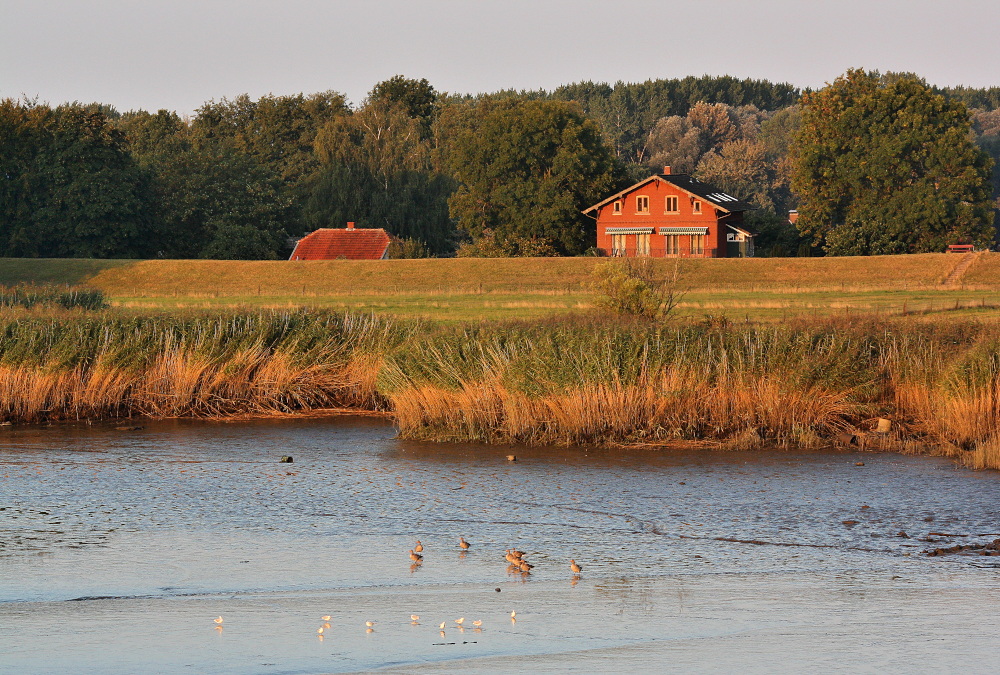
point(350, 226)
point(666, 170)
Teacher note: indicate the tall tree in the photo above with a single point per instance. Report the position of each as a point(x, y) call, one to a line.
point(73, 188)
point(377, 168)
point(885, 165)
point(526, 169)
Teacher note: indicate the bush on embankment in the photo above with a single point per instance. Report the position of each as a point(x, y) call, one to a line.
point(566, 381)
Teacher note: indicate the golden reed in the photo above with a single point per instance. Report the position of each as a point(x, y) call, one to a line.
point(570, 381)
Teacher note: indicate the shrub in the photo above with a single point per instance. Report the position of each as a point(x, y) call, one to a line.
point(630, 286)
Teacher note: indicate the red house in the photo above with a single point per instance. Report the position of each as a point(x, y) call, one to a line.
point(350, 243)
point(672, 215)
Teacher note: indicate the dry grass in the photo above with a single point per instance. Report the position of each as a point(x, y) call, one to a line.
point(226, 278)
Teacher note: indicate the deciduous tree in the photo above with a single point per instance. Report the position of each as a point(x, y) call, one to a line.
point(885, 165)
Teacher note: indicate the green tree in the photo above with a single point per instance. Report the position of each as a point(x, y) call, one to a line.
point(377, 170)
point(885, 165)
point(416, 98)
point(215, 202)
point(70, 187)
point(526, 169)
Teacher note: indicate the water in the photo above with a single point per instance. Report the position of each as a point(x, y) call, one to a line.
point(118, 548)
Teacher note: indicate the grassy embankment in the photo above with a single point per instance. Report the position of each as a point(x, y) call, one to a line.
point(772, 289)
point(796, 384)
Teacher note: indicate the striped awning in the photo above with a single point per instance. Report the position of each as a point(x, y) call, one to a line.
point(629, 230)
point(683, 230)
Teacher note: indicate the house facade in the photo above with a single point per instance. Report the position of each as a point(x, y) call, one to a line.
point(350, 243)
point(672, 216)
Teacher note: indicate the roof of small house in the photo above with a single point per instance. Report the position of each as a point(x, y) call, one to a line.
point(716, 197)
point(348, 243)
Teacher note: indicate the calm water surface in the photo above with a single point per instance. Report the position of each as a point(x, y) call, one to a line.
point(118, 548)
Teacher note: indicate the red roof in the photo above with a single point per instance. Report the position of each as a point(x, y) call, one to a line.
point(350, 244)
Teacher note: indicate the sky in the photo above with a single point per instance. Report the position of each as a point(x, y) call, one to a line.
point(178, 54)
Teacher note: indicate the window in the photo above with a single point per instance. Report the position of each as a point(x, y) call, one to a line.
point(618, 244)
point(643, 245)
point(671, 205)
point(673, 244)
point(642, 204)
point(617, 210)
point(697, 244)
point(696, 206)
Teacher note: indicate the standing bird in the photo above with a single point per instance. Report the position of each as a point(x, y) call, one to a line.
point(459, 621)
point(218, 621)
point(573, 566)
point(415, 557)
point(464, 544)
point(419, 548)
point(325, 618)
point(525, 566)
point(370, 624)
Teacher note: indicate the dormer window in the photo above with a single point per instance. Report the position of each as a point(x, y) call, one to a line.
point(617, 208)
point(642, 204)
point(671, 205)
point(696, 206)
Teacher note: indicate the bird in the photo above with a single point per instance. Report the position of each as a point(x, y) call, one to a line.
point(464, 544)
point(513, 615)
point(419, 547)
point(573, 566)
point(441, 626)
point(370, 624)
point(477, 623)
point(525, 566)
point(517, 554)
point(415, 557)
point(459, 621)
point(320, 631)
point(218, 621)
point(511, 558)
point(325, 618)
point(414, 618)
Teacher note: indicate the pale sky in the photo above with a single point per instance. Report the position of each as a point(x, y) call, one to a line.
point(177, 54)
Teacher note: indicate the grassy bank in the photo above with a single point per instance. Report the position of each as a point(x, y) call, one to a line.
point(802, 383)
point(463, 289)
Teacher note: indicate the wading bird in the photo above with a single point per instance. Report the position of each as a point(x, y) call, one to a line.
point(415, 557)
point(573, 566)
point(464, 544)
point(218, 621)
point(419, 547)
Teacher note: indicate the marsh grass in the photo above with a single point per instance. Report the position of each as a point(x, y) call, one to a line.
point(30, 296)
point(572, 380)
point(115, 365)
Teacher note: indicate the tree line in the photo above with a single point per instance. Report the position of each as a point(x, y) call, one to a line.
point(874, 163)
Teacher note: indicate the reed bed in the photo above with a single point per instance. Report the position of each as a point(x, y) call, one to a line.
point(803, 383)
point(114, 365)
point(29, 296)
point(733, 386)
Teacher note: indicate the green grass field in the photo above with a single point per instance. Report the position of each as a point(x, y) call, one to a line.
point(768, 289)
